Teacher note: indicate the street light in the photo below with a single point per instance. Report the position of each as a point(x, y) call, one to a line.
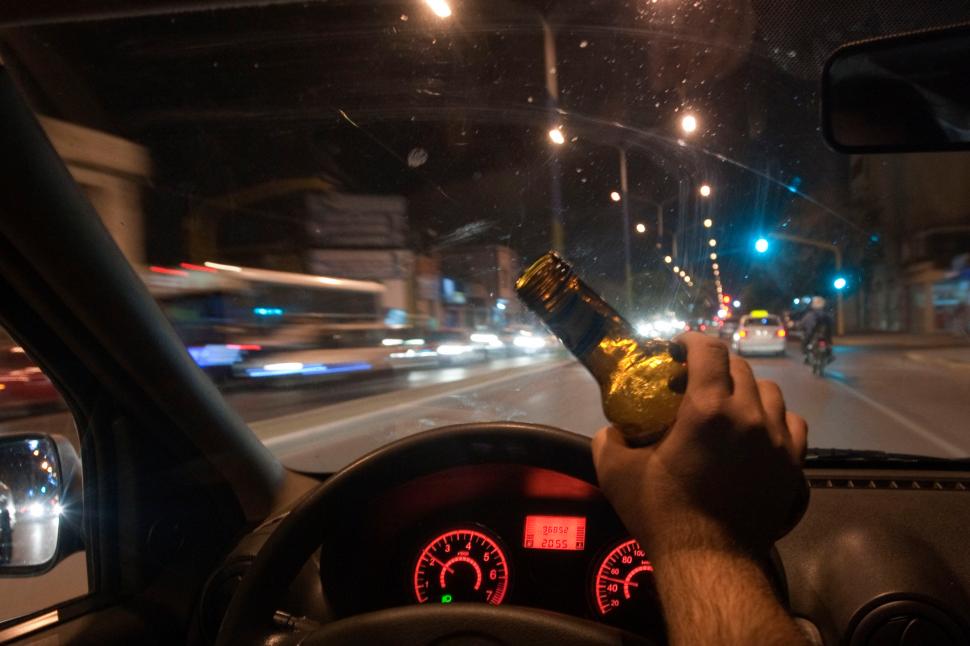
point(556, 136)
point(688, 123)
point(713, 256)
point(705, 190)
point(712, 242)
point(737, 304)
point(839, 283)
point(708, 223)
point(761, 245)
point(439, 7)
point(682, 273)
point(676, 269)
point(668, 259)
point(716, 266)
point(641, 227)
point(615, 196)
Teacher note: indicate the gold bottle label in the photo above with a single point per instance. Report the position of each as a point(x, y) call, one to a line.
point(635, 377)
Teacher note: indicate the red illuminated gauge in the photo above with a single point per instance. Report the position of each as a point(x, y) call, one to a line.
point(623, 577)
point(461, 565)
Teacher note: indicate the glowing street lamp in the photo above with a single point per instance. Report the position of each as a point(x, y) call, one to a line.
point(839, 283)
point(761, 245)
point(708, 223)
point(705, 190)
point(641, 227)
point(712, 242)
point(713, 256)
point(737, 304)
point(615, 196)
point(439, 7)
point(556, 136)
point(676, 269)
point(688, 123)
point(668, 259)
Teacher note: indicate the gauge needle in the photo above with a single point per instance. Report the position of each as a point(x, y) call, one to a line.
point(443, 565)
point(621, 581)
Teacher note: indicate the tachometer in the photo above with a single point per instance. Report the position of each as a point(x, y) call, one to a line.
point(623, 576)
point(461, 565)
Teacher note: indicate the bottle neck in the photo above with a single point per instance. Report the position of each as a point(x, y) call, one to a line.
point(574, 312)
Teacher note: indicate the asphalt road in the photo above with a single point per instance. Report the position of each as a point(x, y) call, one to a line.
point(873, 397)
point(878, 396)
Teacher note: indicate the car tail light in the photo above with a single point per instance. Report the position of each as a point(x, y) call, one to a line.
point(779, 333)
point(742, 333)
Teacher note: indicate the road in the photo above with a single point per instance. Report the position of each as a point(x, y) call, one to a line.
point(873, 397)
point(876, 396)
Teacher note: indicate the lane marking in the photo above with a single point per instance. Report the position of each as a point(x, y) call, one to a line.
point(952, 449)
point(312, 432)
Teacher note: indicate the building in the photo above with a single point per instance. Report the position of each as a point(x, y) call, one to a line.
point(478, 286)
point(920, 204)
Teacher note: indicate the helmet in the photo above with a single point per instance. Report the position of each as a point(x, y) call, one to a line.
point(818, 303)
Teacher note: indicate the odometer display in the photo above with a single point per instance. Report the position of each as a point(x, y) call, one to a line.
point(461, 565)
point(622, 577)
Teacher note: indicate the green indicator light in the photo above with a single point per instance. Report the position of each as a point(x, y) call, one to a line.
point(446, 598)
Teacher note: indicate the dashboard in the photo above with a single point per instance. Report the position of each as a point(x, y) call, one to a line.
point(499, 534)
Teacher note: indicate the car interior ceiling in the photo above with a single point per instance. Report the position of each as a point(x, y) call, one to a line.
point(195, 497)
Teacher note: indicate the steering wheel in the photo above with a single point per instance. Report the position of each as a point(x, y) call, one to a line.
point(249, 618)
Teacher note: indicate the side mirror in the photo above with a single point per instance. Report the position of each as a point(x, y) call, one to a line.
point(40, 484)
point(906, 93)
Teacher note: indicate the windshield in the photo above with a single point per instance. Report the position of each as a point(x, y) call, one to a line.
point(764, 321)
point(331, 202)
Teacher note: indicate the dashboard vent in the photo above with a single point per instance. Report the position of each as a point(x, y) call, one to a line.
point(938, 484)
point(908, 623)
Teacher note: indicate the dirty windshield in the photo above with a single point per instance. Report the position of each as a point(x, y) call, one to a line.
point(331, 201)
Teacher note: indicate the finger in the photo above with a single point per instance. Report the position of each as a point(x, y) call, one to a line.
point(773, 403)
point(798, 429)
point(745, 393)
point(708, 367)
point(611, 455)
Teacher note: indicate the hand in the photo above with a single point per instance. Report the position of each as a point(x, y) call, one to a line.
point(728, 473)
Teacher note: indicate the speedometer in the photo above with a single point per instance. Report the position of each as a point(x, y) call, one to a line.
point(461, 565)
point(623, 577)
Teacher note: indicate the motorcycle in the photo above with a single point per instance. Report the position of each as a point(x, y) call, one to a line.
point(819, 356)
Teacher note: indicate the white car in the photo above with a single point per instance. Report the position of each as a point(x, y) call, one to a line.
point(760, 333)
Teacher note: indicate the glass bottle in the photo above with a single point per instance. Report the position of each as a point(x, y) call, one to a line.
point(641, 383)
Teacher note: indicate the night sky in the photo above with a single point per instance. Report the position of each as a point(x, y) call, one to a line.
point(384, 97)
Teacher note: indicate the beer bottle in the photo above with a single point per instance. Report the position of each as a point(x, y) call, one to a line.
point(641, 382)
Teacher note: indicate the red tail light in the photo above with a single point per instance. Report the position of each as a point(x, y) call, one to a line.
point(780, 333)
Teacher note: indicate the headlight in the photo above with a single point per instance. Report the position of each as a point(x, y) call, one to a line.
point(450, 349)
point(529, 342)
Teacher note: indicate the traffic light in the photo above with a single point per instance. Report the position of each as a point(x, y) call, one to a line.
point(839, 283)
point(726, 299)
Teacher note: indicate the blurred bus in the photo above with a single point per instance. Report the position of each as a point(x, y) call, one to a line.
point(224, 312)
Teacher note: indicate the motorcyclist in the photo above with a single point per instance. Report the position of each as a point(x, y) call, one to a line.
point(816, 325)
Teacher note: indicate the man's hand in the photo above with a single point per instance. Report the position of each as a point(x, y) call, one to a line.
point(709, 500)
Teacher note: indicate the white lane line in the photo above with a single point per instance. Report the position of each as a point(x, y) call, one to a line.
point(346, 422)
point(952, 449)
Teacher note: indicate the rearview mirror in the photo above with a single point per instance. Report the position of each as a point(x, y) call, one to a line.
point(37, 482)
point(899, 94)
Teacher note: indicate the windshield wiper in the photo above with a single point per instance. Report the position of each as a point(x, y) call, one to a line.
point(867, 457)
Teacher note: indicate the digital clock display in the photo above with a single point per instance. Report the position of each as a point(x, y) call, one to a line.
point(555, 533)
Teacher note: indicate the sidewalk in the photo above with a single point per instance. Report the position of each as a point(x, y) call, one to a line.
point(902, 341)
point(957, 357)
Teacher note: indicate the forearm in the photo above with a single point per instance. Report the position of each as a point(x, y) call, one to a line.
point(721, 597)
